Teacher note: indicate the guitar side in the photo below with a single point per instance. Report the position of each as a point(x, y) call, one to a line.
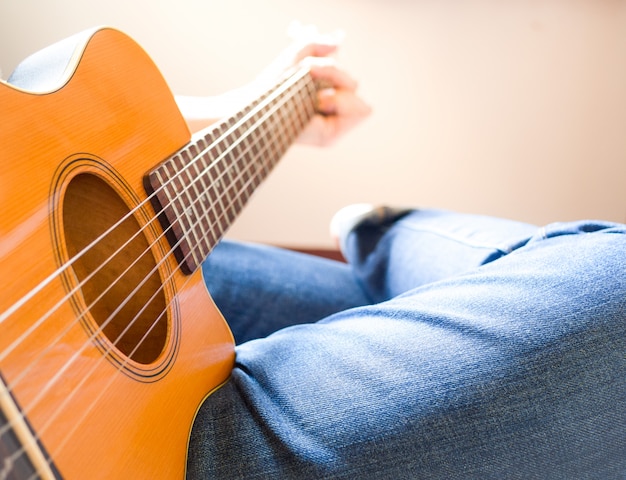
point(107, 397)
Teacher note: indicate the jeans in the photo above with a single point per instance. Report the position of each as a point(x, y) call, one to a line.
point(451, 346)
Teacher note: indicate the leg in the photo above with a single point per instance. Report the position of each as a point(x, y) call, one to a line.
point(392, 253)
point(262, 289)
point(515, 368)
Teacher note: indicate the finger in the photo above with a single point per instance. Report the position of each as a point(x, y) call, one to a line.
point(326, 71)
point(341, 103)
point(316, 49)
point(342, 111)
point(324, 131)
point(297, 53)
point(318, 132)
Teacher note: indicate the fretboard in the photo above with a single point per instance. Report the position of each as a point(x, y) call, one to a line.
point(198, 192)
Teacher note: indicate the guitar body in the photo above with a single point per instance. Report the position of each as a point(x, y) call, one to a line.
point(106, 354)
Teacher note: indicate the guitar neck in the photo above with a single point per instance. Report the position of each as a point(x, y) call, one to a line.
point(199, 191)
point(21, 452)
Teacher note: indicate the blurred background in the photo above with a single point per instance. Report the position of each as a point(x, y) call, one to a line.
point(515, 108)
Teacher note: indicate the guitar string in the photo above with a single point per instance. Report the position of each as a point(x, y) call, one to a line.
point(131, 294)
point(247, 185)
point(271, 95)
point(251, 179)
point(113, 378)
point(228, 172)
point(93, 404)
point(230, 131)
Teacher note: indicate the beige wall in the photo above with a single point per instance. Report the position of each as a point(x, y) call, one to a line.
point(513, 108)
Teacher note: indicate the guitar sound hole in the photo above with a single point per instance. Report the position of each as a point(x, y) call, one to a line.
point(121, 288)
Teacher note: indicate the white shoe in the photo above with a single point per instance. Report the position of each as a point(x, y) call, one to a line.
point(351, 216)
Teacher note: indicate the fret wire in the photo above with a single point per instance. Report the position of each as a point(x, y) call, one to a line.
point(216, 181)
point(192, 204)
point(232, 181)
point(256, 178)
point(269, 139)
point(225, 180)
point(196, 206)
point(299, 98)
point(200, 211)
point(232, 138)
point(290, 125)
point(178, 203)
point(278, 134)
point(175, 168)
point(171, 194)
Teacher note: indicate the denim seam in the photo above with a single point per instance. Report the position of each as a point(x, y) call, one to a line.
point(463, 241)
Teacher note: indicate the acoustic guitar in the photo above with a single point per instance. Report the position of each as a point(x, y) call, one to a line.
point(109, 341)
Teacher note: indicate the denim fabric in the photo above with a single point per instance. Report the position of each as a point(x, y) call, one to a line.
point(261, 289)
point(497, 350)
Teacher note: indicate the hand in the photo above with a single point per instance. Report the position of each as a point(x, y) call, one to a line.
point(339, 106)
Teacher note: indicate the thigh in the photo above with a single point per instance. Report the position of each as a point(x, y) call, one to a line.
point(391, 256)
point(261, 289)
point(515, 368)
